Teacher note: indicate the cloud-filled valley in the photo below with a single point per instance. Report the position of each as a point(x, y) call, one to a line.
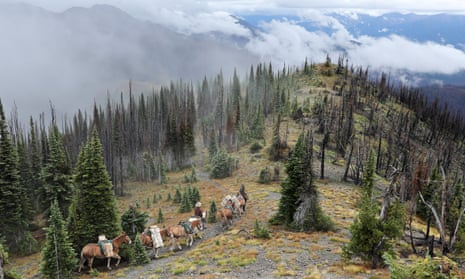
point(73, 58)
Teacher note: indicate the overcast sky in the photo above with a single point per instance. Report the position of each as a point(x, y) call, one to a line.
point(280, 41)
point(141, 7)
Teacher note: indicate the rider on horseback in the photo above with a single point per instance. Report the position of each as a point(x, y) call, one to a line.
point(198, 212)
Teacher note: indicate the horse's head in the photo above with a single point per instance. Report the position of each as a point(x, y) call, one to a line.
point(125, 238)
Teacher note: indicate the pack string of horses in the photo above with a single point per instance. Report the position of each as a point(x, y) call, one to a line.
point(233, 206)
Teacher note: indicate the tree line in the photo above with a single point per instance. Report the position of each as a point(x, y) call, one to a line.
point(417, 143)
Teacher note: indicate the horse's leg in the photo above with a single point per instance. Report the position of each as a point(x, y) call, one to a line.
point(117, 257)
point(179, 243)
point(81, 263)
point(90, 262)
point(108, 263)
point(172, 243)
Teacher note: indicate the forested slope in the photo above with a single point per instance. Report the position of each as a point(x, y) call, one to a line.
point(416, 145)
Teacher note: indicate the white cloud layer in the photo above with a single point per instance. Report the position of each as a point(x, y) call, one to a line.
point(285, 42)
point(279, 41)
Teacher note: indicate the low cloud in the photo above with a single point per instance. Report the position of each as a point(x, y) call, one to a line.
point(284, 41)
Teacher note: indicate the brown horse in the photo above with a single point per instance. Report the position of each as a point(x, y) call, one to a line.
point(235, 204)
point(226, 214)
point(196, 225)
point(178, 231)
point(146, 239)
point(92, 250)
point(242, 201)
point(151, 237)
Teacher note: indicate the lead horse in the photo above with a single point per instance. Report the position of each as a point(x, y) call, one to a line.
point(93, 250)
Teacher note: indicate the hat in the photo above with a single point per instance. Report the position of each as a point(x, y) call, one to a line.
point(198, 204)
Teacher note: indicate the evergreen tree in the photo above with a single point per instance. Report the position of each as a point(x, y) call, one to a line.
point(133, 221)
point(56, 174)
point(13, 224)
point(371, 236)
point(139, 255)
point(193, 174)
point(221, 165)
point(212, 147)
point(160, 218)
point(276, 145)
point(212, 213)
point(58, 256)
point(93, 211)
point(185, 203)
point(195, 196)
point(290, 188)
point(258, 126)
point(299, 206)
point(309, 216)
point(26, 180)
point(177, 196)
point(35, 183)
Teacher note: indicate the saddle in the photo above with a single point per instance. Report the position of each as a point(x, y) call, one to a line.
point(106, 247)
point(187, 227)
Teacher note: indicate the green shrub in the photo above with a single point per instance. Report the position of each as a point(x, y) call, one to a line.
point(435, 268)
point(260, 231)
point(222, 165)
point(255, 147)
point(265, 176)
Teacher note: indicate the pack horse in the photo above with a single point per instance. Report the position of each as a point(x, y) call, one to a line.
point(103, 250)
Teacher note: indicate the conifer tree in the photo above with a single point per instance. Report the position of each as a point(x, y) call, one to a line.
point(56, 174)
point(193, 174)
point(299, 207)
point(160, 218)
point(26, 179)
point(195, 196)
point(185, 203)
point(290, 187)
point(139, 255)
point(212, 147)
point(371, 236)
point(58, 256)
point(133, 221)
point(212, 213)
point(93, 211)
point(221, 165)
point(177, 196)
point(35, 183)
point(13, 224)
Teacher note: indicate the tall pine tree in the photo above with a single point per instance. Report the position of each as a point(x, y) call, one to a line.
point(13, 224)
point(93, 210)
point(56, 174)
point(58, 257)
point(299, 206)
point(290, 188)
